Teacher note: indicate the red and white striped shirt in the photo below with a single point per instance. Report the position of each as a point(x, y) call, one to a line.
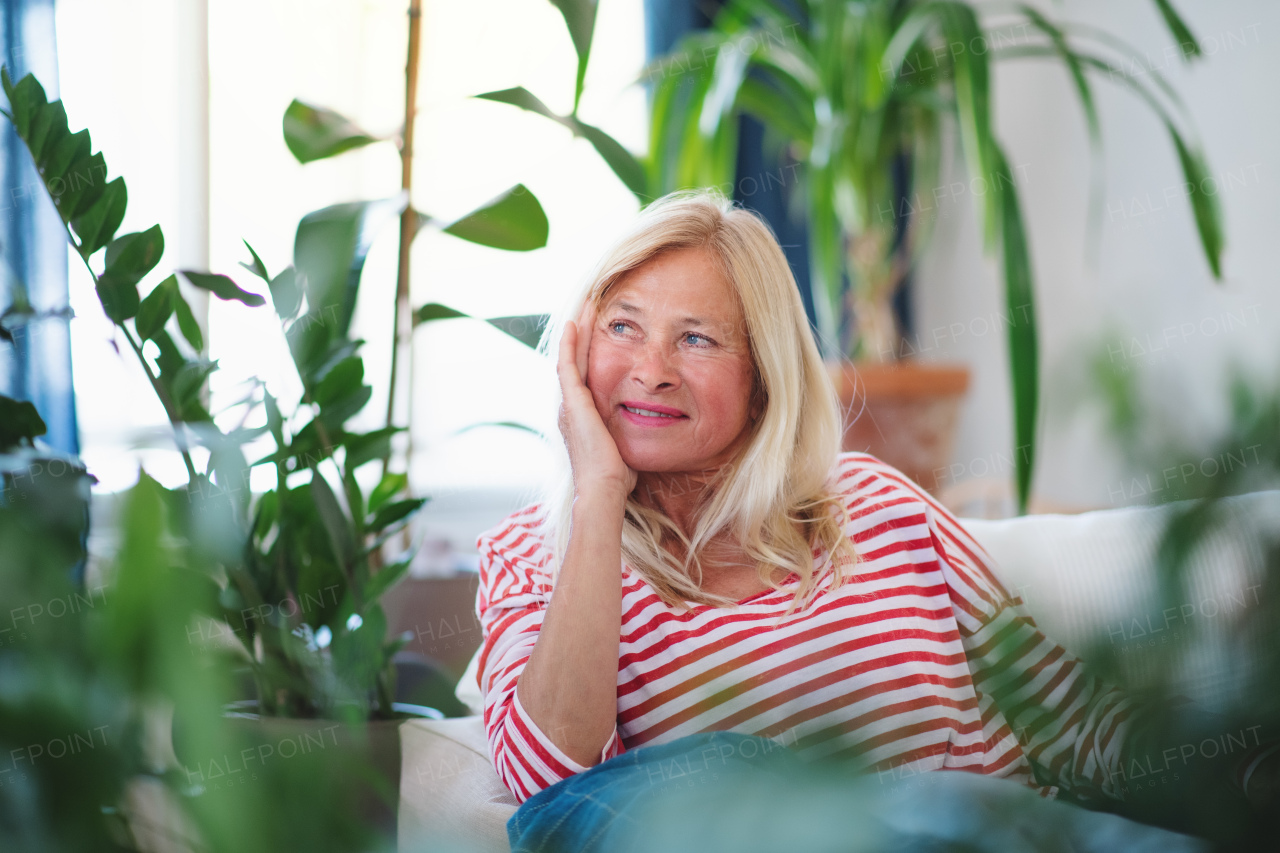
point(920, 661)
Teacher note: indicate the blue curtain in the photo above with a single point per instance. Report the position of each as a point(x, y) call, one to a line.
point(35, 363)
point(766, 179)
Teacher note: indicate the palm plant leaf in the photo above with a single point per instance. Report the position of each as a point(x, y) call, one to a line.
point(1020, 304)
point(1204, 206)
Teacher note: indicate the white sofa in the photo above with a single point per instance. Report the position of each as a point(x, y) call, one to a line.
point(1085, 578)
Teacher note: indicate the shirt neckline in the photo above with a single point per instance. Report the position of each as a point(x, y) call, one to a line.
point(819, 557)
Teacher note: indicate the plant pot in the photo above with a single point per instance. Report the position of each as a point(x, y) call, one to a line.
point(375, 745)
point(904, 413)
point(352, 767)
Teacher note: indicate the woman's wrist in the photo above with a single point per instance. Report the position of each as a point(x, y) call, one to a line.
point(599, 495)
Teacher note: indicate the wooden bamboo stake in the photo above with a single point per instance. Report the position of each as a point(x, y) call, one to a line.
point(403, 317)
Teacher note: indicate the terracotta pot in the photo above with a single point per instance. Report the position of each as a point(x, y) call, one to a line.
point(904, 413)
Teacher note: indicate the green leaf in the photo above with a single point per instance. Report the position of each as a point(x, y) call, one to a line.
point(156, 309)
point(267, 514)
point(48, 127)
point(514, 221)
point(69, 148)
point(340, 381)
point(1204, 205)
point(526, 328)
point(385, 579)
point(222, 287)
point(19, 422)
point(336, 523)
point(623, 163)
point(183, 379)
point(357, 654)
point(257, 267)
point(504, 424)
point(973, 104)
point(129, 258)
point(1023, 346)
point(24, 99)
point(366, 447)
point(775, 110)
point(394, 512)
point(339, 411)
point(82, 185)
point(390, 486)
point(1181, 32)
point(435, 311)
point(521, 97)
point(580, 18)
point(275, 422)
point(97, 225)
point(307, 447)
point(286, 295)
point(187, 323)
point(329, 251)
point(314, 133)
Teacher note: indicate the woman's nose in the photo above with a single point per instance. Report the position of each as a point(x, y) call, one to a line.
point(655, 367)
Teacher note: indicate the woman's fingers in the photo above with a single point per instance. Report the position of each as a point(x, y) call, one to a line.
point(584, 327)
point(593, 454)
point(568, 355)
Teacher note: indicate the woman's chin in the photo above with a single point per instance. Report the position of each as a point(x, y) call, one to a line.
point(649, 461)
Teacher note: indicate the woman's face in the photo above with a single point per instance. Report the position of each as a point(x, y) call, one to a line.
point(670, 366)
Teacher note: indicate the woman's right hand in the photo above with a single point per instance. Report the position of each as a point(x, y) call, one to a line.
point(593, 454)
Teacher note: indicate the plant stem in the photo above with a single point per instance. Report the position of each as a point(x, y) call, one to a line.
point(169, 409)
point(402, 321)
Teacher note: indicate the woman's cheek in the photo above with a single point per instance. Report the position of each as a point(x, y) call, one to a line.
point(600, 382)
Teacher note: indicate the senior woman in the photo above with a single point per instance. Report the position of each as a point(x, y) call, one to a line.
point(714, 563)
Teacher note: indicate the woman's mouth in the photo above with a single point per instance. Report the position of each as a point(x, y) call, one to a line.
point(648, 412)
point(645, 416)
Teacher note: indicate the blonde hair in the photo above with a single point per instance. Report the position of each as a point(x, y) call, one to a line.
point(775, 499)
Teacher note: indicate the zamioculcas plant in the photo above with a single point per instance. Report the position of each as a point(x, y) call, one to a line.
point(295, 573)
point(855, 91)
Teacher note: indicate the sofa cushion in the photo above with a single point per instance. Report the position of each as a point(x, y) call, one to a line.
point(1089, 582)
point(449, 792)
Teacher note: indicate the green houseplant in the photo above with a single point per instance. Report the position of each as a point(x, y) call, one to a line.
point(289, 580)
point(293, 544)
point(89, 663)
point(856, 90)
point(294, 574)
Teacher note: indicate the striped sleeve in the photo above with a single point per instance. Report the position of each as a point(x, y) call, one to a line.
point(1071, 724)
point(515, 587)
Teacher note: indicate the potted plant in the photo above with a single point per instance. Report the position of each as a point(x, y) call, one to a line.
point(860, 95)
point(92, 661)
point(296, 573)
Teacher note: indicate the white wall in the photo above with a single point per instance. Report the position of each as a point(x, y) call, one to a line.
point(1148, 304)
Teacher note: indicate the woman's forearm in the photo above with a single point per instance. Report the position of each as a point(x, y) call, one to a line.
point(570, 684)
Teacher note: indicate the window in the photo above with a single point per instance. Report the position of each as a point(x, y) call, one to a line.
point(116, 58)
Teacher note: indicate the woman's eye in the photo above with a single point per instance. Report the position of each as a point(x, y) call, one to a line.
point(696, 339)
point(618, 326)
